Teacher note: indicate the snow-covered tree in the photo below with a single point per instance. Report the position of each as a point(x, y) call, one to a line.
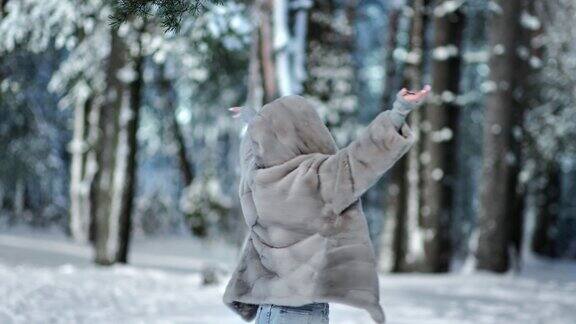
point(440, 125)
point(331, 67)
point(31, 179)
point(404, 187)
point(501, 149)
point(550, 127)
point(99, 75)
point(170, 13)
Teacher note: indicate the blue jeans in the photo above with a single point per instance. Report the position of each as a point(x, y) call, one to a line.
point(315, 313)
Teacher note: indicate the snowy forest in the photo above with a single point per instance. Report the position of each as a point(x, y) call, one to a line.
point(119, 161)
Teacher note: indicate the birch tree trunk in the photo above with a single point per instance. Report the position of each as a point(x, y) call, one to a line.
point(80, 186)
point(281, 42)
point(300, 36)
point(545, 185)
point(527, 86)
point(281, 46)
point(439, 158)
point(503, 114)
point(83, 165)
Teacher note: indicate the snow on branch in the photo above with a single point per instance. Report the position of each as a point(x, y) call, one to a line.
point(411, 57)
point(397, 4)
point(479, 56)
point(495, 7)
point(447, 7)
point(443, 53)
point(301, 4)
point(529, 21)
point(171, 12)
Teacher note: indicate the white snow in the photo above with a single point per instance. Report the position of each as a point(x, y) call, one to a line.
point(535, 62)
point(478, 56)
point(411, 57)
point(33, 290)
point(529, 21)
point(443, 53)
point(496, 129)
point(442, 135)
point(499, 49)
point(488, 86)
point(447, 7)
point(437, 174)
point(495, 7)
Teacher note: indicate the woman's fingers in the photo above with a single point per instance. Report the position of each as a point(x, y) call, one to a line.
point(424, 92)
point(416, 95)
point(236, 111)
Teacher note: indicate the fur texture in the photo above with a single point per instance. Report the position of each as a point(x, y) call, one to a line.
point(308, 240)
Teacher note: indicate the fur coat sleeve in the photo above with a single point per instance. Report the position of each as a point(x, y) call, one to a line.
point(346, 175)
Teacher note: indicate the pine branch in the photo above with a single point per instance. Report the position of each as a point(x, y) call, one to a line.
point(170, 12)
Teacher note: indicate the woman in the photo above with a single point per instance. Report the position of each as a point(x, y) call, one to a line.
point(308, 241)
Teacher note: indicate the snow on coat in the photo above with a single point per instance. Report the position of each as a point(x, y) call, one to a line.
point(308, 237)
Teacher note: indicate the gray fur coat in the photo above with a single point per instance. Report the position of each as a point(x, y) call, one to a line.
point(300, 195)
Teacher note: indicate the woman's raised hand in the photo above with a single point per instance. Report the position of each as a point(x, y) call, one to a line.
point(415, 97)
point(244, 113)
point(406, 101)
point(236, 111)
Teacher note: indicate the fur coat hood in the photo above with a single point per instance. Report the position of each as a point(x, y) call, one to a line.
point(300, 195)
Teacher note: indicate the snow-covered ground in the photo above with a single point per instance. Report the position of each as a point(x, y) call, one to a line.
point(46, 279)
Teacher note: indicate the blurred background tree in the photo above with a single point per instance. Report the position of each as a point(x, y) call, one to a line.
point(113, 120)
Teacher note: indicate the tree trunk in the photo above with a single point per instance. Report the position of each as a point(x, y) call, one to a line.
point(281, 42)
point(547, 211)
point(300, 37)
point(128, 130)
point(186, 169)
point(546, 189)
point(413, 260)
point(80, 186)
point(19, 199)
point(116, 150)
point(393, 237)
point(391, 76)
point(527, 82)
point(330, 63)
point(499, 172)
point(395, 227)
point(441, 118)
point(266, 59)
point(403, 193)
point(106, 231)
point(169, 105)
point(255, 95)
